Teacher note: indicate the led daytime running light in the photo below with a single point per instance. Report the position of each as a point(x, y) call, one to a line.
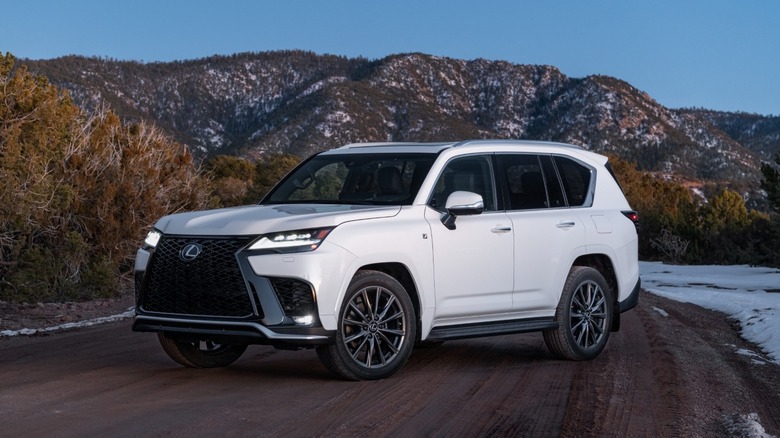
point(302, 240)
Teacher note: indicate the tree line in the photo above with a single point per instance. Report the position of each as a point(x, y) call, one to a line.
point(715, 227)
point(80, 189)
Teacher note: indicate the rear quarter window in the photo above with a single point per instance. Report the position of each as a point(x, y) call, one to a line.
point(576, 179)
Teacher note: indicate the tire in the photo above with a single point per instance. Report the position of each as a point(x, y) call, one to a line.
point(376, 330)
point(204, 353)
point(584, 316)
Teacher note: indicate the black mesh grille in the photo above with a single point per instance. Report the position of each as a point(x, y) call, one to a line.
point(139, 280)
point(295, 296)
point(209, 285)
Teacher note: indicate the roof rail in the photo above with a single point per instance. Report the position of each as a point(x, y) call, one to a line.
point(493, 142)
point(394, 143)
point(473, 142)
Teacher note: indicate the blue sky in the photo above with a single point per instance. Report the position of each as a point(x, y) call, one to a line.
point(718, 54)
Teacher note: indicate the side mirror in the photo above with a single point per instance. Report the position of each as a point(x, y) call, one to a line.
point(461, 203)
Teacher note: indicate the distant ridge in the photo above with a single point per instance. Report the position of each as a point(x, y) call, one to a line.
point(300, 103)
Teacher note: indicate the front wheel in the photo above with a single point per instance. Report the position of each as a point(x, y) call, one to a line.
point(376, 329)
point(203, 353)
point(584, 316)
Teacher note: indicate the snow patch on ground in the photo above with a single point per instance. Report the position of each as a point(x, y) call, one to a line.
point(744, 426)
point(662, 312)
point(70, 325)
point(749, 295)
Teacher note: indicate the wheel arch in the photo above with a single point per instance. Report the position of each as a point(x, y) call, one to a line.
point(401, 273)
point(603, 264)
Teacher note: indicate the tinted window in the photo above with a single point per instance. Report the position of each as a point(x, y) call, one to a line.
point(470, 174)
point(576, 180)
point(323, 184)
point(524, 181)
point(554, 191)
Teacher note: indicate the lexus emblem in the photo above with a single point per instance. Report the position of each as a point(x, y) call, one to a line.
point(190, 252)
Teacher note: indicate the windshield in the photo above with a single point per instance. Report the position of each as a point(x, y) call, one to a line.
point(368, 179)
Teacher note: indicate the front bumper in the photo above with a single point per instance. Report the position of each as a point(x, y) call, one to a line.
point(220, 296)
point(243, 332)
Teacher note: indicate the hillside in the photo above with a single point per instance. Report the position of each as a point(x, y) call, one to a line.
point(300, 103)
point(758, 133)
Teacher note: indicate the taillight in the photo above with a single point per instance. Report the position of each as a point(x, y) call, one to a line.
point(632, 216)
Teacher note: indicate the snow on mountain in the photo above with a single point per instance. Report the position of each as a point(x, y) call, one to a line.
point(300, 103)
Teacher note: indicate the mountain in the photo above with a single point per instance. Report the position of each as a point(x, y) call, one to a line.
point(758, 133)
point(300, 102)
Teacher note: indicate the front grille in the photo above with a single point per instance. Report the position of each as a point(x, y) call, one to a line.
point(295, 296)
point(209, 285)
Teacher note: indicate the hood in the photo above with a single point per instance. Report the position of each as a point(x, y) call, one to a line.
point(260, 219)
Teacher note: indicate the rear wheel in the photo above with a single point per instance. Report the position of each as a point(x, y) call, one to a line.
point(376, 329)
point(203, 353)
point(584, 316)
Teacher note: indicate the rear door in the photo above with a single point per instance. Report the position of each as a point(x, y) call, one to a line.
point(546, 230)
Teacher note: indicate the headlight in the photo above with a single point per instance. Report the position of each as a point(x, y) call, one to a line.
point(291, 241)
point(152, 239)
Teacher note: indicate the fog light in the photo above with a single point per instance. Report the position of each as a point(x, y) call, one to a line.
point(303, 320)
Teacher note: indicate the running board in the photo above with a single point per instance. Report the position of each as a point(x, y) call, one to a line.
point(492, 328)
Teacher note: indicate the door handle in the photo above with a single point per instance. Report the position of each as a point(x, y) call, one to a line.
point(501, 229)
point(567, 224)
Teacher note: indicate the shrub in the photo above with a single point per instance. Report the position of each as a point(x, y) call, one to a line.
point(79, 191)
point(671, 245)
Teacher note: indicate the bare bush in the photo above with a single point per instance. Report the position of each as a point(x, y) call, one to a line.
point(79, 191)
point(671, 245)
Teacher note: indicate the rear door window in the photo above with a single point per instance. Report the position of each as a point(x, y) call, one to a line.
point(524, 180)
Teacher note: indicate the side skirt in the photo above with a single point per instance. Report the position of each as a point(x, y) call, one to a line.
point(465, 331)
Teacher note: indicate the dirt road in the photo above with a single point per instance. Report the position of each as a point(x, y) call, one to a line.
point(672, 370)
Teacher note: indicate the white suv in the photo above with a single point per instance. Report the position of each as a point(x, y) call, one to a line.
point(365, 250)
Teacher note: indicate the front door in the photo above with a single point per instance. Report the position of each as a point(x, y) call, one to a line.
point(473, 263)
